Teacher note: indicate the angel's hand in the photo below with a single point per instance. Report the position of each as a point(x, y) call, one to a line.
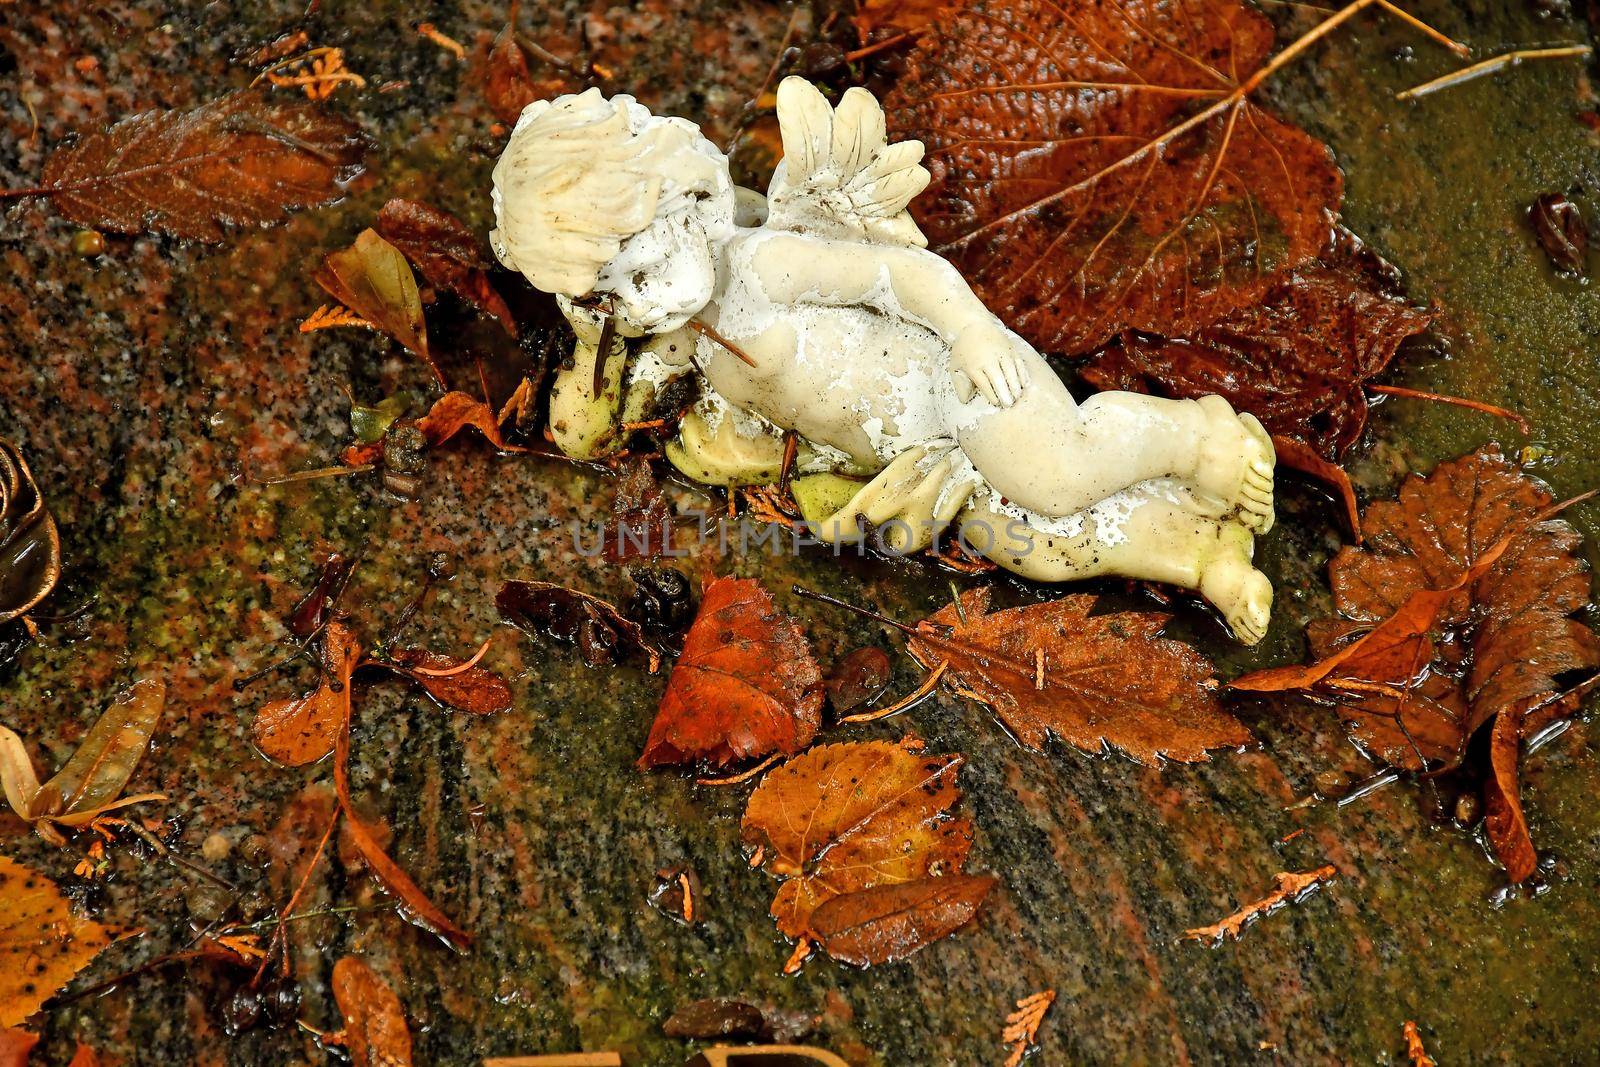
point(994, 359)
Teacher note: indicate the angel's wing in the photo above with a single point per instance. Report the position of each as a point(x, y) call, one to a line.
point(839, 175)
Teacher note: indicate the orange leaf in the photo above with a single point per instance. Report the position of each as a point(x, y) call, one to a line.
point(302, 730)
point(843, 818)
point(375, 1032)
point(15, 1045)
point(477, 689)
point(1056, 669)
point(1415, 1052)
point(373, 279)
point(886, 923)
point(1289, 887)
point(84, 1056)
point(914, 15)
point(745, 686)
point(456, 410)
point(42, 943)
point(1097, 168)
point(446, 251)
point(243, 159)
point(1022, 1025)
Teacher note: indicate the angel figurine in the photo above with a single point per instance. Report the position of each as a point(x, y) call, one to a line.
point(818, 310)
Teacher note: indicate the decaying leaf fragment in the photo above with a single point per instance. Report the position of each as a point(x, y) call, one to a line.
point(842, 819)
point(375, 1032)
point(745, 686)
point(42, 943)
point(451, 682)
point(244, 159)
point(446, 251)
point(1288, 887)
point(301, 730)
point(1056, 669)
point(90, 783)
point(450, 414)
point(1458, 612)
point(599, 628)
point(30, 546)
point(1098, 167)
point(373, 279)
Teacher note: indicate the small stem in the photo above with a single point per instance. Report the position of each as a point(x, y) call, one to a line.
point(320, 472)
point(1461, 402)
point(824, 598)
point(881, 46)
point(915, 697)
point(743, 776)
point(700, 327)
point(458, 668)
point(1489, 66)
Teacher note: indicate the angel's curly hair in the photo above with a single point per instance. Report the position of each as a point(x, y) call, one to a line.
point(582, 174)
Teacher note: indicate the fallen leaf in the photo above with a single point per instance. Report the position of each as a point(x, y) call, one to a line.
point(30, 545)
point(90, 783)
point(302, 730)
point(15, 1045)
point(509, 85)
point(375, 1032)
point(714, 1019)
point(313, 611)
point(1558, 224)
point(1098, 168)
point(244, 159)
point(373, 279)
point(446, 251)
point(900, 15)
point(886, 923)
point(1288, 887)
point(1457, 612)
point(597, 627)
point(84, 1056)
point(1298, 358)
point(1093, 681)
point(842, 818)
point(1022, 1025)
point(745, 686)
point(477, 690)
point(857, 679)
point(1414, 1051)
point(42, 943)
point(640, 526)
point(450, 414)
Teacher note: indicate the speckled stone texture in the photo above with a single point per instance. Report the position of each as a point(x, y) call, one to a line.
point(155, 386)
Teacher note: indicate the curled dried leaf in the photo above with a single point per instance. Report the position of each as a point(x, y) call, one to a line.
point(375, 1032)
point(597, 627)
point(1558, 224)
point(1288, 887)
point(30, 546)
point(373, 279)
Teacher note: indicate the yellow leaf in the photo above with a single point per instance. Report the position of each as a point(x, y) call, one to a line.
point(42, 944)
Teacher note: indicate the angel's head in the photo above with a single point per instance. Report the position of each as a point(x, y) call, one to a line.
point(597, 197)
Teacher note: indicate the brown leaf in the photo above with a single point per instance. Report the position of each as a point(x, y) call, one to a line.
point(1297, 359)
point(843, 818)
point(715, 1018)
point(886, 923)
point(596, 626)
point(373, 279)
point(1558, 224)
point(446, 251)
point(42, 943)
point(899, 15)
point(375, 1032)
point(302, 730)
point(30, 546)
point(1055, 669)
point(1503, 820)
point(640, 526)
point(857, 678)
point(1288, 887)
point(477, 690)
point(15, 1045)
point(244, 159)
point(1097, 168)
point(92, 780)
point(1415, 1052)
point(745, 686)
point(510, 85)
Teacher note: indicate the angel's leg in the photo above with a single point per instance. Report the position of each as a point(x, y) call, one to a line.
point(1146, 532)
point(1051, 455)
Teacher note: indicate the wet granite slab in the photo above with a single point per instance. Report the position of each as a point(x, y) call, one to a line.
point(154, 385)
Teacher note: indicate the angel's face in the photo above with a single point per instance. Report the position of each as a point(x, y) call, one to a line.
point(665, 274)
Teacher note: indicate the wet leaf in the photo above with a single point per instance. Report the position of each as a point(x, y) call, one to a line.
point(1093, 681)
point(312, 612)
point(477, 690)
point(42, 943)
point(640, 526)
point(15, 1045)
point(897, 15)
point(373, 279)
point(1558, 224)
point(369, 424)
point(715, 1018)
point(84, 1056)
point(302, 730)
point(446, 251)
point(1416, 1053)
point(745, 686)
point(1298, 359)
point(887, 923)
point(30, 546)
point(843, 818)
point(1457, 612)
point(510, 85)
point(245, 159)
point(857, 679)
point(1097, 168)
point(1288, 887)
point(596, 626)
point(375, 1032)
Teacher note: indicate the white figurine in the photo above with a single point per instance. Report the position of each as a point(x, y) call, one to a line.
point(820, 311)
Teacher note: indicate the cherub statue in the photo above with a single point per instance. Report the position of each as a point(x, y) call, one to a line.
point(819, 311)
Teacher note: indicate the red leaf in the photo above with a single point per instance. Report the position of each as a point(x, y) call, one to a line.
point(446, 251)
point(1096, 167)
point(15, 1045)
point(302, 730)
point(745, 686)
point(375, 1032)
point(889, 922)
point(510, 86)
point(244, 159)
point(477, 689)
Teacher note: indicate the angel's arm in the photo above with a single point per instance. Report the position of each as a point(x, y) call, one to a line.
point(904, 282)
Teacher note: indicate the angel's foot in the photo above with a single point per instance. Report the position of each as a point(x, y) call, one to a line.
point(1236, 464)
point(1229, 581)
